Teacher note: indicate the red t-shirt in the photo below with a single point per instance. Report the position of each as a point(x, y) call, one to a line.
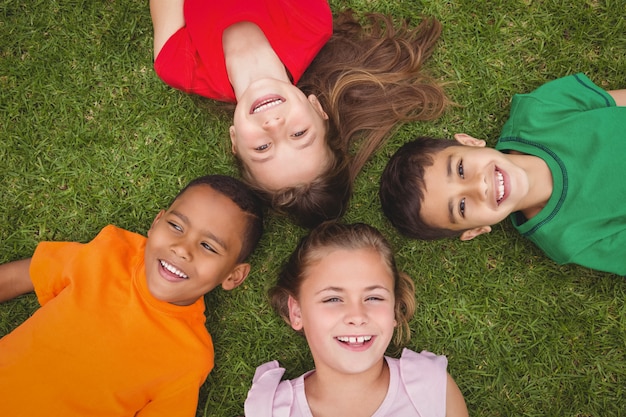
point(192, 59)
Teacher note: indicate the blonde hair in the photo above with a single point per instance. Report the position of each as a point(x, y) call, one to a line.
point(332, 236)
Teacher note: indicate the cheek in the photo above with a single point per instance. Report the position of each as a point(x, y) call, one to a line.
point(316, 333)
point(207, 270)
point(316, 321)
point(387, 316)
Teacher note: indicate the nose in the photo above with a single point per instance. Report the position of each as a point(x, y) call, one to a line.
point(273, 122)
point(356, 314)
point(180, 248)
point(478, 187)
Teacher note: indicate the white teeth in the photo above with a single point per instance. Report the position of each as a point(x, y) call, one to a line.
point(173, 269)
point(266, 105)
point(500, 185)
point(354, 339)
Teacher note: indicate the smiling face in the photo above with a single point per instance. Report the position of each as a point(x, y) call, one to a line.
point(279, 134)
point(345, 306)
point(472, 187)
point(194, 245)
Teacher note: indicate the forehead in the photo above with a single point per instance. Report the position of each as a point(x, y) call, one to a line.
point(197, 194)
point(348, 269)
point(208, 210)
point(292, 167)
point(438, 195)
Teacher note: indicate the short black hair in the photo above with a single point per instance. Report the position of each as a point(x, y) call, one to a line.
point(240, 194)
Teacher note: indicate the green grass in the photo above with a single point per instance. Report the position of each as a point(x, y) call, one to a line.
point(90, 136)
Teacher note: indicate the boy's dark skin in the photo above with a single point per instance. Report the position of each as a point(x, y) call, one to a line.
point(126, 315)
point(230, 272)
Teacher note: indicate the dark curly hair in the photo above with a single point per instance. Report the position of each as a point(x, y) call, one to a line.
point(240, 194)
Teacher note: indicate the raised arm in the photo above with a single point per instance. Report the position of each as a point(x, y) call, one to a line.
point(619, 96)
point(167, 18)
point(15, 279)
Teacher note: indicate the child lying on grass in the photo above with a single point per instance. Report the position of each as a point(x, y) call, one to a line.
point(342, 290)
point(315, 96)
point(557, 171)
point(121, 328)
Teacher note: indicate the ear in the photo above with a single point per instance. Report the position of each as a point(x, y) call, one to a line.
point(236, 276)
point(295, 314)
point(472, 233)
point(317, 106)
point(233, 137)
point(156, 220)
point(467, 140)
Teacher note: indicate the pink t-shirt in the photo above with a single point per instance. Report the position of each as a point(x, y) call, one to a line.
point(417, 387)
point(192, 59)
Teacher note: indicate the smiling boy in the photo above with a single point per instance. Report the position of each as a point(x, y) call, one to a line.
point(121, 328)
point(556, 172)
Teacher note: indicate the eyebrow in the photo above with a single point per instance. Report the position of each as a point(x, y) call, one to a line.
point(339, 289)
point(207, 234)
point(450, 202)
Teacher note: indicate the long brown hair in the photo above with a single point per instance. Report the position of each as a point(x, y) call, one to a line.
point(369, 79)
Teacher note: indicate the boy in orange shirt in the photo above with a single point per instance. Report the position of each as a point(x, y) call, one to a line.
point(121, 328)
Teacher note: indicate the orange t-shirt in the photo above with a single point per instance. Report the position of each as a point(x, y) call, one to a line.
point(101, 345)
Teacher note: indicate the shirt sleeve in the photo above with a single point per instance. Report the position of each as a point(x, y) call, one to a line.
point(572, 93)
point(557, 100)
point(181, 401)
point(178, 61)
point(424, 376)
point(47, 268)
point(268, 396)
point(606, 254)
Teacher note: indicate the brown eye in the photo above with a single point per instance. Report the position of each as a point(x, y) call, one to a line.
point(175, 226)
point(208, 247)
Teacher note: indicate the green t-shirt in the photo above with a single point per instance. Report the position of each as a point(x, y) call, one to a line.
point(575, 127)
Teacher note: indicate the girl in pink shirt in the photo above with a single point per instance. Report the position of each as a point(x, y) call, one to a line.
point(342, 290)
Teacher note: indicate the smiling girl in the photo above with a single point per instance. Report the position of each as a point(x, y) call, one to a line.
point(307, 89)
point(342, 290)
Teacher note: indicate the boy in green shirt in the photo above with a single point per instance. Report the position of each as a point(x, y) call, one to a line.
point(556, 171)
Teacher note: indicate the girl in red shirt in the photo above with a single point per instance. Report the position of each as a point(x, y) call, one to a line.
point(304, 91)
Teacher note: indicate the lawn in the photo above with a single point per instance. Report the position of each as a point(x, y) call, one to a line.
point(90, 136)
